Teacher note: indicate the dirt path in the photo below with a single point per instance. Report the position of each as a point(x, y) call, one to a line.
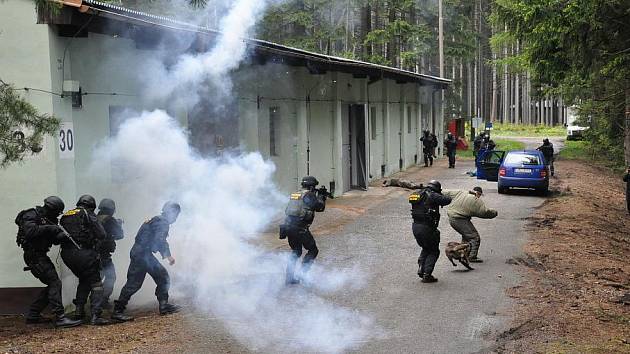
point(576, 295)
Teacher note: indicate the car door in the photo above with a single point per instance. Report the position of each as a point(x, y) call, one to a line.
point(491, 163)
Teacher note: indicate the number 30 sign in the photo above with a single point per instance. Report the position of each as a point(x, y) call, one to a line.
point(66, 140)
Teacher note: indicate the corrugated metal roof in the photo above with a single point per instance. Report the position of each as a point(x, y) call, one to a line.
point(370, 69)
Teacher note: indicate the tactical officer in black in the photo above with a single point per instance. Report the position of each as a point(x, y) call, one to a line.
point(428, 148)
point(425, 210)
point(79, 253)
point(300, 213)
point(114, 231)
point(151, 238)
point(38, 231)
point(547, 150)
point(450, 143)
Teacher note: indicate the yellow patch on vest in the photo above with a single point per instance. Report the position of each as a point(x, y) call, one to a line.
point(296, 196)
point(414, 197)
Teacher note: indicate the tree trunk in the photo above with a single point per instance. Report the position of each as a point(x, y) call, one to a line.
point(626, 140)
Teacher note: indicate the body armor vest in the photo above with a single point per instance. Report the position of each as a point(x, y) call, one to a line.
point(298, 209)
point(421, 211)
point(77, 223)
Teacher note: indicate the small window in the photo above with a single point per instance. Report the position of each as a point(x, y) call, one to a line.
point(274, 136)
point(409, 120)
point(373, 122)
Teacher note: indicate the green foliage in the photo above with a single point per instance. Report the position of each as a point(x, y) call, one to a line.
point(579, 49)
point(585, 150)
point(22, 127)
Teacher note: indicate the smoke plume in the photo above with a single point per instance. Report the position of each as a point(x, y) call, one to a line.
point(227, 202)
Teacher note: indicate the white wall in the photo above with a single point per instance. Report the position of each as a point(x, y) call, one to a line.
point(24, 59)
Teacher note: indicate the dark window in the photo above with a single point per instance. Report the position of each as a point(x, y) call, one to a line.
point(274, 136)
point(408, 119)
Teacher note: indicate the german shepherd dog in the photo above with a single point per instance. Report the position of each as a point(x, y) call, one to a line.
point(458, 251)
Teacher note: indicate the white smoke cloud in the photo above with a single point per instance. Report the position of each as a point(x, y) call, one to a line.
point(226, 203)
point(198, 74)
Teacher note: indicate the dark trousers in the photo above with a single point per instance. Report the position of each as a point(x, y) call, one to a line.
point(428, 157)
point(44, 270)
point(300, 238)
point(108, 274)
point(428, 238)
point(85, 265)
point(468, 232)
point(143, 262)
point(451, 158)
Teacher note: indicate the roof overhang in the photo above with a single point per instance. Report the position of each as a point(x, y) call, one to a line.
point(96, 16)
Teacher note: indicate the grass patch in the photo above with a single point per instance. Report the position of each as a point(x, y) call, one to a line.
point(583, 150)
point(502, 144)
point(507, 129)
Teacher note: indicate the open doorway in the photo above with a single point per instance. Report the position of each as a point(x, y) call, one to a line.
point(354, 149)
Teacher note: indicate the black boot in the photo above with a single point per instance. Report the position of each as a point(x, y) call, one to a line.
point(166, 308)
point(98, 320)
point(79, 311)
point(37, 318)
point(64, 322)
point(428, 278)
point(119, 313)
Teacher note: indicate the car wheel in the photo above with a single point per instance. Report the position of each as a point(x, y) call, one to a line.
point(502, 190)
point(543, 192)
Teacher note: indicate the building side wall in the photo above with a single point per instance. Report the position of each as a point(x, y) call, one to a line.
point(24, 57)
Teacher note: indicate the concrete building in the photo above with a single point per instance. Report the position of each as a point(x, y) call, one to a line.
point(344, 121)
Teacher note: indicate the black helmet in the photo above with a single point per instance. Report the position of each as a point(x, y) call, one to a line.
point(309, 181)
point(545, 141)
point(434, 186)
point(87, 201)
point(171, 211)
point(54, 205)
point(107, 205)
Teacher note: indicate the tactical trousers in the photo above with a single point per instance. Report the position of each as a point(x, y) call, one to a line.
point(300, 238)
point(451, 158)
point(84, 263)
point(428, 157)
point(428, 238)
point(108, 276)
point(143, 262)
point(44, 270)
point(469, 233)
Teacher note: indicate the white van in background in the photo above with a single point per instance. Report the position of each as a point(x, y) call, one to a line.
point(574, 131)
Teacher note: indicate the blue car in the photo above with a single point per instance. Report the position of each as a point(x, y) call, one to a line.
point(523, 169)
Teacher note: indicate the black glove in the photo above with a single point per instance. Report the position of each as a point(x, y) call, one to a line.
point(59, 237)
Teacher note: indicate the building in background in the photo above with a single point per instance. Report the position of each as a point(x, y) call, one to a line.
point(344, 121)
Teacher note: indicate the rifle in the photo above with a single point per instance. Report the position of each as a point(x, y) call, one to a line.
point(67, 234)
point(322, 191)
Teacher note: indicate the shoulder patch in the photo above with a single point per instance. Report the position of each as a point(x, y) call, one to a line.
point(296, 196)
point(72, 212)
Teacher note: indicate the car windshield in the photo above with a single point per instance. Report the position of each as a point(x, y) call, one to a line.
point(522, 159)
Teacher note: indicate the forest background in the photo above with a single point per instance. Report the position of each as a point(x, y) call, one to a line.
point(511, 61)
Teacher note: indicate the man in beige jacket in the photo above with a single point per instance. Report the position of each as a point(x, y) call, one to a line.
point(465, 205)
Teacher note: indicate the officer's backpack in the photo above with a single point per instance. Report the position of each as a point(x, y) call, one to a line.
point(21, 237)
